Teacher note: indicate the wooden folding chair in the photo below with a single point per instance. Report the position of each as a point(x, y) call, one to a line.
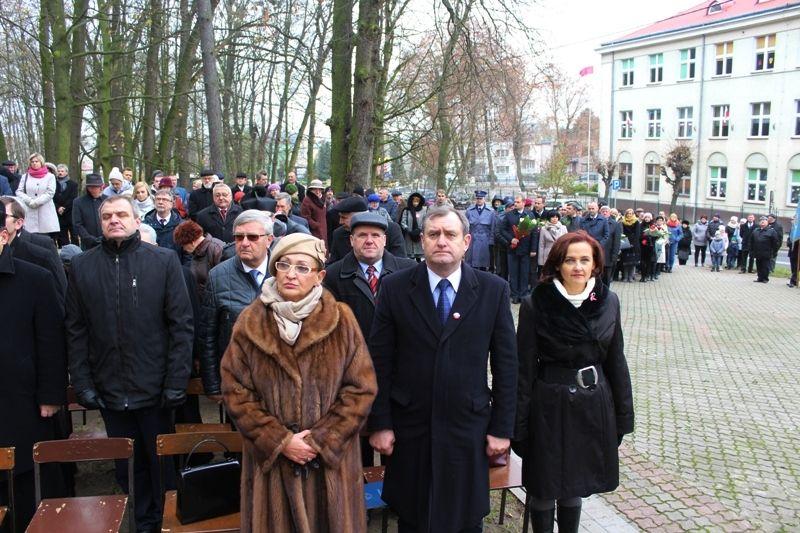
point(88, 514)
point(7, 464)
point(195, 388)
point(171, 444)
point(505, 478)
point(374, 474)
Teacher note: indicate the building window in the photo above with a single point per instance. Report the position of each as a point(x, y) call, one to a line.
point(501, 153)
point(652, 177)
point(626, 130)
point(685, 187)
point(502, 169)
point(720, 122)
point(653, 123)
point(756, 185)
point(765, 52)
point(625, 171)
point(797, 118)
point(656, 68)
point(724, 58)
point(685, 122)
point(717, 182)
point(627, 72)
point(794, 186)
point(528, 164)
point(759, 123)
point(714, 8)
point(688, 63)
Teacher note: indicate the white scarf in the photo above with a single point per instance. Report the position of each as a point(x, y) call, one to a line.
point(575, 299)
point(289, 315)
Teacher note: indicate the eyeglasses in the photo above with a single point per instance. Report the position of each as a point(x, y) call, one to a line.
point(252, 237)
point(303, 270)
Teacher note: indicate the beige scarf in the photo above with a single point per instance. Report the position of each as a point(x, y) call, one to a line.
point(289, 315)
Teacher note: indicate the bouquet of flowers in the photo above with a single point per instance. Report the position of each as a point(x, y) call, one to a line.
point(523, 229)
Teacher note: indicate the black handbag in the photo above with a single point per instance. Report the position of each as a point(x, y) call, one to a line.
point(208, 491)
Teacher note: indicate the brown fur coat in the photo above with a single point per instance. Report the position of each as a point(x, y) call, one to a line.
point(326, 383)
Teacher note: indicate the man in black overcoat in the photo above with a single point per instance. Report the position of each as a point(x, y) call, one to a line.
point(435, 325)
point(520, 250)
point(33, 370)
point(66, 192)
point(217, 219)
point(339, 243)
point(85, 216)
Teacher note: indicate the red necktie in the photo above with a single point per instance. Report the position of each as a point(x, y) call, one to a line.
point(222, 213)
point(372, 279)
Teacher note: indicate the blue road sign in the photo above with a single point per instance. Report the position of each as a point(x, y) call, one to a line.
point(615, 185)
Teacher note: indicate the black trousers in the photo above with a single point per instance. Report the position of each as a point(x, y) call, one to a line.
point(405, 527)
point(143, 425)
point(744, 264)
point(762, 267)
point(793, 261)
point(700, 251)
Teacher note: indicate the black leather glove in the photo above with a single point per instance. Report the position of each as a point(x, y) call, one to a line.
point(90, 399)
point(173, 397)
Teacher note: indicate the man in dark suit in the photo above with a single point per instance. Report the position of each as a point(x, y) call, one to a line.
point(203, 197)
point(611, 246)
point(85, 214)
point(434, 327)
point(241, 184)
point(292, 178)
point(746, 228)
point(339, 243)
point(356, 278)
point(520, 250)
point(217, 219)
point(66, 192)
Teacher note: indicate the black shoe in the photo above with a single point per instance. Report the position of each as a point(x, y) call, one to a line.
point(542, 521)
point(791, 284)
point(569, 519)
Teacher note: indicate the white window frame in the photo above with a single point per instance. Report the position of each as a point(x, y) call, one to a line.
point(720, 121)
point(759, 119)
point(756, 178)
point(685, 187)
point(503, 169)
point(689, 61)
point(656, 68)
point(765, 53)
point(685, 122)
point(653, 123)
point(501, 152)
point(627, 72)
point(724, 58)
point(717, 176)
point(792, 184)
point(625, 178)
point(652, 181)
point(626, 125)
point(797, 118)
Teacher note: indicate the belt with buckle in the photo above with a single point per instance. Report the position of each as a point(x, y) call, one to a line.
point(586, 378)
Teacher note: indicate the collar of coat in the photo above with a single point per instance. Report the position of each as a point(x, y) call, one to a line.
point(256, 325)
point(6, 260)
point(547, 297)
point(351, 268)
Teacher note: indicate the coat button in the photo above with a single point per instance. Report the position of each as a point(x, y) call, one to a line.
point(573, 389)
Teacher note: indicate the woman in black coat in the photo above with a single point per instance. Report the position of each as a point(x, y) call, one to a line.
point(574, 399)
point(632, 229)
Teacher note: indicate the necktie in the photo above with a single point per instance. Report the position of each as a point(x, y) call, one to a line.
point(163, 222)
point(222, 213)
point(443, 305)
point(372, 279)
point(255, 275)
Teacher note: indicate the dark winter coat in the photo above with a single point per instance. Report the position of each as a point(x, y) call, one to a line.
point(634, 234)
point(324, 383)
point(86, 220)
point(198, 200)
point(744, 232)
point(566, 435)
point(65, 199)
point(129, 323)
point(711, 231)
point(764, 243)
point(432, 391)
point(165, 234)
point(340, 244)
point(301, 190)
point(206, 256)
point(211, 222)
point(313, 210)
point(686, 239)
point(42, 257)
point(12, 177)
point(612, 245)
point(525, 245)
point(348, 284)
point(597, 227)
point(779, 231)
point(229, 290)
point(33, 364)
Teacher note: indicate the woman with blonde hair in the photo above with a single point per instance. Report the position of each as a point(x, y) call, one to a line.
point(35, 192)
point(142, 200)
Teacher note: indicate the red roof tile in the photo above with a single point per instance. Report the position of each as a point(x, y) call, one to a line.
point(699, 15)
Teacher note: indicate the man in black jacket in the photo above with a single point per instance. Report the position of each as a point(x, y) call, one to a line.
point(745, 230)
point(85, 214)
point(764, 243)
point(129, 338)
point(66, 192)
point(772, 222)
point(339, 243)
point(519, 251)
point(9, 170)
point(217, 219)
point(202, 198)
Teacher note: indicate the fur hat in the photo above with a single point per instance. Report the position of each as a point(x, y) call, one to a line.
point(298, 243)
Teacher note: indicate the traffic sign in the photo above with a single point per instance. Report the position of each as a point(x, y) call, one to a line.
point(615, 184)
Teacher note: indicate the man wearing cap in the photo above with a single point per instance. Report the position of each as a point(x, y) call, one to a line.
point(482, 220)
point(85, 212)
point(312, 209)
point(434, 328)
point(340, 240)
point(764, 242)
point(203, 197)
point(66, 192)
point(773, 223)
point(241, 184)
point(33, 369)
point(217, 219)
point(9, 171)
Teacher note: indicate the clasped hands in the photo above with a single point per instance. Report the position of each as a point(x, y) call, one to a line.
point(297, 450)
point(383, 442)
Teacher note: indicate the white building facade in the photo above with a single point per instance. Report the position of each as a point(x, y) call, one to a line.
point(534, 156)
point(723, 78)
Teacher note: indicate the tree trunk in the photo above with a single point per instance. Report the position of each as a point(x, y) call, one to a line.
point(61, 91)
point(341, 80)
point(48, 97)
point(3, 148)
point(205, 22)
point(310, 171)
point(77, 83)
point(151, 86)
point(489, 158)
point(516, 146)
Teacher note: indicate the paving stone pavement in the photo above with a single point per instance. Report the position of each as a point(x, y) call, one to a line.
point(714, 361)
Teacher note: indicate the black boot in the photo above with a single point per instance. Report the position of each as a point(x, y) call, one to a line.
point(569, 519)
point(543, 521)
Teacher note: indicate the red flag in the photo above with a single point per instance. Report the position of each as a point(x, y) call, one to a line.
point(585, 71)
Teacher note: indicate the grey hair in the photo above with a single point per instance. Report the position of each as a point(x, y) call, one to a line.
point(165, 192)
point(62, 166)
point(284, 196)
point(254, 215)
point(443, 211)
point(222, 185)
point(152, 238)
point(118, 198)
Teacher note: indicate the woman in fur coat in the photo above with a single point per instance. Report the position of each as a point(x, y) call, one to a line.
point(298, 381)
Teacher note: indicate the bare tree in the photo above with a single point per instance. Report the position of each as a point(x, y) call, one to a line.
point(679, 161)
